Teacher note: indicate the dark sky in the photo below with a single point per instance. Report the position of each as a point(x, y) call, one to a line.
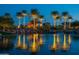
point(44, 9)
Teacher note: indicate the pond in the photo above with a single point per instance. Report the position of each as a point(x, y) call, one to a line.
point(40, 44)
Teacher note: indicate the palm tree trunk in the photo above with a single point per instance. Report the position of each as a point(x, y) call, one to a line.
point(19, 23)
point(64, 24)
point(54, 23)
point(34, 24)
point(69, 23)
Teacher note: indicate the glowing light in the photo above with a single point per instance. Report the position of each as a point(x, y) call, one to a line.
point(64, 44)
point(54, 47)
point(40, 41)
point(34, 45)
point(19, 41)
point(58, 41)
point(24, 42)
point(69, 39)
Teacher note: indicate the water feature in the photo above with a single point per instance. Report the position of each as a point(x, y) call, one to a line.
point(40, 44)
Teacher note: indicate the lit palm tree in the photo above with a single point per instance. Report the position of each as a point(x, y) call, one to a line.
point(24, 13)
point(65, 17)
point(70, 19)
point(34, 14)
point(54, 15)
point(59, 20)
point(19, 16)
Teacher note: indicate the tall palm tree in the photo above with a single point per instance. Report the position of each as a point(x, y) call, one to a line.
point(34, 14)
point(54, 15)
point(70, 19)
point(58, 18)
point(24, 13)
point(65, 17)
point(19, 16)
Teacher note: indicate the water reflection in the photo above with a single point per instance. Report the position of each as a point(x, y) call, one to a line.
point(19, 41)
point(6, 43)
point(65, 43)
point(32, 43)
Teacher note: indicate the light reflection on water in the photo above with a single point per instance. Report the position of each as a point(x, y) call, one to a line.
point(42, 44)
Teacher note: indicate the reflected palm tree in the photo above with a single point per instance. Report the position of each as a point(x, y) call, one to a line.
point(40, 40)
point(65, 43)
point(19, 16)
point(24, 13)
point(34, 46)
point(69, 39)
point(54, 46)
point(58, 41)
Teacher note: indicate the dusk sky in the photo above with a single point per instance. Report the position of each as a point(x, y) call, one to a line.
point(44, 9)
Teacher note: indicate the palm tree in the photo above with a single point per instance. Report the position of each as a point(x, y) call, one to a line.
point(65, 17)
point(58, 18)
point(34, 14)
point(19, 16)
point(54, 15)
point(24, 13)
point(70, 19)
